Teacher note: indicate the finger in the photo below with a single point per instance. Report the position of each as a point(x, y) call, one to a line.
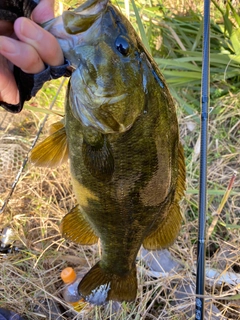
point(44, 11)
point(21, 54)
point(44, 42)
point(8, 89)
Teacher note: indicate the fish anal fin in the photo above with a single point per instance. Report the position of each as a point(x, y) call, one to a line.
point(170, 225)
point(51, 152)
point(75, 227)
point(99, 286)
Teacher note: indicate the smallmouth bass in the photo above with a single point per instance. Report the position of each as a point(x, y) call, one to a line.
point(121, 135)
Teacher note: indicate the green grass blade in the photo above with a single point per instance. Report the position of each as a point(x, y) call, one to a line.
point(179, 74)
point(235, 39)
point(140, 26)
point(198, 37)
point(44, 111)
point(235, 14)
point(176, 63)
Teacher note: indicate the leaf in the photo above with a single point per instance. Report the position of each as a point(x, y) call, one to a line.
point(140, 26)
point(235, 58)
point(227, 24)
point(185, 105)
point(45, 111)
point(127, 9)
point(235, 14)
point(179, 63)
point(235, 39)
point(217, 6)
point(179, 74)
point(234, 297)
point(198, 37)
point(211, 192)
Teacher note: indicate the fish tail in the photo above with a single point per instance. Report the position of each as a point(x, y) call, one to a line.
point(99, 285)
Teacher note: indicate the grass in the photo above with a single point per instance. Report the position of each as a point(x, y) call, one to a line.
point(30, 281)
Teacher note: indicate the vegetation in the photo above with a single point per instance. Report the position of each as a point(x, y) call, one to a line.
point(30, 281)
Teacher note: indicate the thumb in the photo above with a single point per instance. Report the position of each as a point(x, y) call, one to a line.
point(44, 11)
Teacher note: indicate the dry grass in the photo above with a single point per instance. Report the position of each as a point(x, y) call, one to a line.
point(30, 281)
point(30, 278)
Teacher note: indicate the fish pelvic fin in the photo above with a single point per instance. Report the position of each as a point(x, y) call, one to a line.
point(74, 227)
point(53, 151)
point(169, 227)
point(99, 285)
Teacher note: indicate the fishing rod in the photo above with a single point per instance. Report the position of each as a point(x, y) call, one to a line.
point(200, 276)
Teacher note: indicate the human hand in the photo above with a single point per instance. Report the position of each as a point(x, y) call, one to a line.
point(28, 46)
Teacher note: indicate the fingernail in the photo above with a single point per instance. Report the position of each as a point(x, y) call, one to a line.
point(7, 45)
point(29, 29)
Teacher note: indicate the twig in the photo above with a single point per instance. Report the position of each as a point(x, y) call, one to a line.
point(219, 210)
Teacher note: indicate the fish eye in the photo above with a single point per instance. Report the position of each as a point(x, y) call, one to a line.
point(122, 45)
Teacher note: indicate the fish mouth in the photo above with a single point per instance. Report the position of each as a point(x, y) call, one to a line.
point(74, 27)
point(92, 6)
point(82, 18)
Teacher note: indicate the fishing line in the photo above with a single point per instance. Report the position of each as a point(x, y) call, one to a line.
point(20, 171)
point(200, 277)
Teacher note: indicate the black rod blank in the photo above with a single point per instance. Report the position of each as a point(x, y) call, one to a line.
point(200, 277)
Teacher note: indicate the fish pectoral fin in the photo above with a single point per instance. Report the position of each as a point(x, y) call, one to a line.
point(54, 127)
point(99, 159)
point(51, 152)
point(170, 225)
point(99, 286)
point(75, 227)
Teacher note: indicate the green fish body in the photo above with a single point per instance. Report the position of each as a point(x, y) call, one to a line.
point(126, 161)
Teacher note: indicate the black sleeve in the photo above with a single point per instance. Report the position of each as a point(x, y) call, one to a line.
point(30, 84)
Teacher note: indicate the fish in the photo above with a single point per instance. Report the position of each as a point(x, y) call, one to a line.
point(121, 136)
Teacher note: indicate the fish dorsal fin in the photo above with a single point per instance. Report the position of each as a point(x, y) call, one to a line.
point(75, 227)
point(53, 151)
point(98, 157)
point(170, 225)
